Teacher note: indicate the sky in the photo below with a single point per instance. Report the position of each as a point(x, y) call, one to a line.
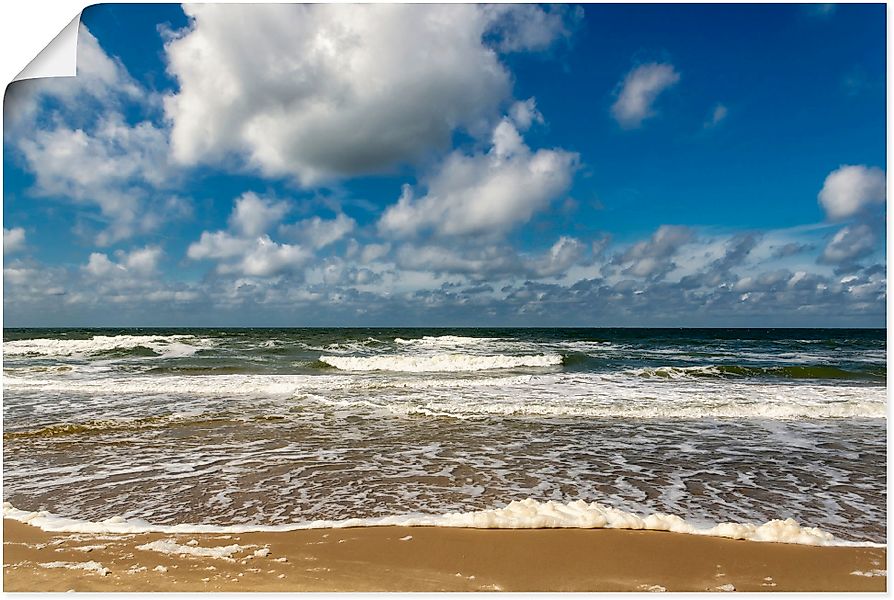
point(453, 165)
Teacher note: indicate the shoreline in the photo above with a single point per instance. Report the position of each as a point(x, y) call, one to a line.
point(423, 559)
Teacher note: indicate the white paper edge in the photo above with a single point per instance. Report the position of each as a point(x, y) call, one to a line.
point(59, 58)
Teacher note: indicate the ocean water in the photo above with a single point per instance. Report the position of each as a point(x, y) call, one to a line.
point(286, 427)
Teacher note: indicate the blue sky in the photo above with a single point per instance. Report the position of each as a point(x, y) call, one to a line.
point(554, 165)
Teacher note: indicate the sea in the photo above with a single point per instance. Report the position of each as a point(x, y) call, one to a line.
point(289, 428)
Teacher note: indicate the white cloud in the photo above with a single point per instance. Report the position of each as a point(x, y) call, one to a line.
point(373, 252)
point(484, 193)
point(525, 113)
point(849, 244)
point(257, 257)
point(521, 27)
point(639, 90)
point(13, 240)
point(320, 91)
point(103, 161)
point(492, 262)
point(654, 257)
point(487, 261)
point(253, 215)
point(217, 245)
point(138, 263)
point(266, 257)
point(850, 189)
point(566, 252)
point(247, 250)
point(717, 115)
point(113, 168)
point(100, 266)
point(143, 261)
point(319, 233)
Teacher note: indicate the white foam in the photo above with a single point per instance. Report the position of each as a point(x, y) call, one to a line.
point(168, 346)
point(441, 363)
point(83, 566)
point(434, 341)
point(170, 546)
point(522, 514)
point(678, 372)
point(545, 395)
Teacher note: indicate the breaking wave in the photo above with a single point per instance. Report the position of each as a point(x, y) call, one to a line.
point(439, 363)
point(545, 394)
point(522, 514)
point(740, 371)
point(116, 346)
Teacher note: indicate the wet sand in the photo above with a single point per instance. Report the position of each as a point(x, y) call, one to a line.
point(432, 559)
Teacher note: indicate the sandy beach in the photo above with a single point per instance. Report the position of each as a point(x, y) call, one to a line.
point(428, 559)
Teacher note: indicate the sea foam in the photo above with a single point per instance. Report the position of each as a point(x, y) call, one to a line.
point(441, 363)
point(168, 346)
point(546, 394)
point(520, 514)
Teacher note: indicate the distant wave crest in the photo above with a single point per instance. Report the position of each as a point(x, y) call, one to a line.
point(440, 363)
point(783, 372)
point(115, 346)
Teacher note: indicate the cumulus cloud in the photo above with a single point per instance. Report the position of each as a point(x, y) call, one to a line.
point(566, 252)
point(246, 249)
point(485, 194)
point(319, 233)
point(13, 240)
point(491, 281)
point(328, 91)
point(253, 215)
point(639, 90)
point(653, 258)
point(851, 189)
point(218, 245)
point(491, 262)
point(736, 251)
point(478, 262)
point(72, 134)
point(114, 168)
point(266, 257)
point(373, 252)
point(525, 27)
point(790, 249)
point(139, 262)
point(524, 114)
point(258, 257)
point(849, 244)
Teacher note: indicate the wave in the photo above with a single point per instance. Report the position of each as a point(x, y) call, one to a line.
point(102, 426)
point(443, 340)
point(783, 372)
point(440, 363)
point(528, 395)
point(521, 514)
point(165, 346)
point(468, 409)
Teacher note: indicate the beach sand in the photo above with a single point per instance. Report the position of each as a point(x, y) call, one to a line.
point(433, 559)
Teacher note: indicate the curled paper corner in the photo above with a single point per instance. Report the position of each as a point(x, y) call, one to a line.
point(59, 58)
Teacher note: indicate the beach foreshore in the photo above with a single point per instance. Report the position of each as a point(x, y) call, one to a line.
point(428, 559)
